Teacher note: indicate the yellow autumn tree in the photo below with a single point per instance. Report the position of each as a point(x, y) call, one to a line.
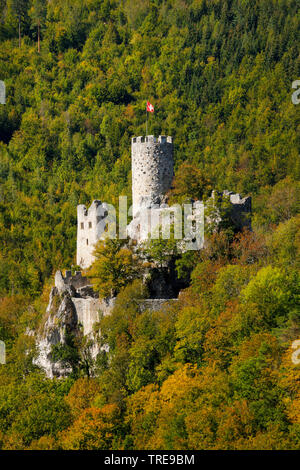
point(115, 266)
point(82, 394)
point(95, 429)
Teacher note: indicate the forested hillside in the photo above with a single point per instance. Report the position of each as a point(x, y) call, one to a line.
point(218, 72)
point(213, 371)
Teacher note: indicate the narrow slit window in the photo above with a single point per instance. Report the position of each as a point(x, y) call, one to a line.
point(90, 224)
point(87, 242)
point(82, 225)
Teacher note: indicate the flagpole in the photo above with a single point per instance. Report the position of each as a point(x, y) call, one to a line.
point(146, 120)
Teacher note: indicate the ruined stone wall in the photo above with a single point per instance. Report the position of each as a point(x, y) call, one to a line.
point(88, 311)
point(155, 304)
point(241, 209)
point(89, 231)
point(152, 170)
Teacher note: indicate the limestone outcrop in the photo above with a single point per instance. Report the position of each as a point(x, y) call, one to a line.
point(74, 308)
point(59, 323)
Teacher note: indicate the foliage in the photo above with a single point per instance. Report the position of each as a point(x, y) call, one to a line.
point(219, 74)
point(114, 267)
point(67, 353)
point(190, 183)
point(213, 369)
point(95, 429)
point(161, 251)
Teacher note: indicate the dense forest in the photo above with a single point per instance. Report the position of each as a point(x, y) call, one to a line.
point(213, 370)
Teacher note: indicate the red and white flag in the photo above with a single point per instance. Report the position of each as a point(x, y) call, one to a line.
point(150, 107)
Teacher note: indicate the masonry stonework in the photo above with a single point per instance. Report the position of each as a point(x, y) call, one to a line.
point(89, 231)
point(152, 170)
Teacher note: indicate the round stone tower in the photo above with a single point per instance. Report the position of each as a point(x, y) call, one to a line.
point(152, 170)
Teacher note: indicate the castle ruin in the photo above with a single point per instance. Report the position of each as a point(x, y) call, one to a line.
point(73, 305)
point(152, 176)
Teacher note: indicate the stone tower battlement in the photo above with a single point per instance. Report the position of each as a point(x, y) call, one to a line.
point(152, 170)
point(89, 231)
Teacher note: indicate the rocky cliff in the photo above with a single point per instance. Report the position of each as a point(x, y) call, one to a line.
point(74, 308)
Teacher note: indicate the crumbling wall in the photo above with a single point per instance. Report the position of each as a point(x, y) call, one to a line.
point(240, 208)
point(89, 231)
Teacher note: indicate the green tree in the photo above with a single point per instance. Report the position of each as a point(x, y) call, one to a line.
point(115, 266)
point(38, 13)
point(20, 8)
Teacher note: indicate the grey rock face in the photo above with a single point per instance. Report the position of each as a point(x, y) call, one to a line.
point(58, 324)
point(70, 310)
point(155, 304)
point(66, 314)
